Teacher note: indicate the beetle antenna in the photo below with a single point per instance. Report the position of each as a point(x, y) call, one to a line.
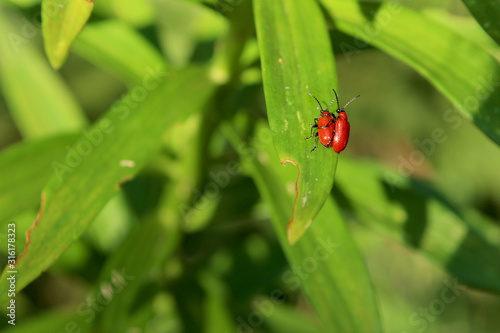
point(337, 98)
point(350, 101)
point(321, 108)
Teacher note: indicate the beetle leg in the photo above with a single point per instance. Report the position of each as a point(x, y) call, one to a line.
point(331, 140)
point(315, 143)
point(327, 124)
point(312, 128)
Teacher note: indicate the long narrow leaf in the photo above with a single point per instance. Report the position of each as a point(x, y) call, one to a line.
point(296, 58)
point(37, 98)
point(487, 13)
point(421, 218)
point(111, 152)
point(465, 73)
point(61, 23)
point(25, 169)
point(130, 57)
point(325, 261)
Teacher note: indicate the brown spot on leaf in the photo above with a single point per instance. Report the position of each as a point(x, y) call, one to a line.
point(35, 223)
point(123, 180)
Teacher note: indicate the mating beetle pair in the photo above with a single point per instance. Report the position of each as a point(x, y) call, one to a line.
point(333, 131)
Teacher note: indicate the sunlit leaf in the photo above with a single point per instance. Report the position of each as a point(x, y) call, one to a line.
point(419, 217)
point(25, 169)
point(465, 73)
point(99, 161)
point(62, 20)
point(130, 57)
point(296, 58)
point(50, 107)
point(325, 262)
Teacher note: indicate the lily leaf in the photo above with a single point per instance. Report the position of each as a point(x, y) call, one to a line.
point(98, 162)
point(61, 22)
point(325, 262)
point(463, 72)
point(296, 57)
point(50, 107)
point(487, 13)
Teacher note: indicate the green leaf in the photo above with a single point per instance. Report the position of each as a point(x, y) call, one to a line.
point(50, 107)
point(217, 316)
point(465, 73)
point(22, 3)
point(61, 23)
point(487, 13)
point(237, 49)
point(127, 270)
point(25, 169)
point(137, 13)
point(184, 24)
point(53, 321)
point(286, 319)
point(419, 217)
point(325, 261)
point(99, 161)
point(467, 27)
point(296, 57)
point(130, 57)
point(159, 234)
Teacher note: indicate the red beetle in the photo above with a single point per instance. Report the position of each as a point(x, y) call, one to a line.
point(333, 131)
point(325, 126)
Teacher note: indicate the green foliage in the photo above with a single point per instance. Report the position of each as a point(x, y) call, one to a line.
point(51, 107)
point(466, 74)
point(291, 66)
point(339, 296)
point(487, 13)
point(61, 23)
point(156, 159)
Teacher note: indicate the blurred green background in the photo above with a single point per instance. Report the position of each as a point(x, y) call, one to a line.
point(223, 268)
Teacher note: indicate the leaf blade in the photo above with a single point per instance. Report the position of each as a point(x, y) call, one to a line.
point(50, 108)
point(25, 169)
point(97, 174)
point(291, 66)
point(61, 23)
point(420, 218)
point(130, 57)
point(338, 286)
point(486, 13)
point(464, 73)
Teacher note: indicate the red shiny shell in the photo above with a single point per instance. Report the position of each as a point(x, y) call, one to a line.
point(341, 135)
point(326, 134)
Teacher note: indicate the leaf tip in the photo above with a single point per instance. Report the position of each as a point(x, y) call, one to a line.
point(294, 233)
